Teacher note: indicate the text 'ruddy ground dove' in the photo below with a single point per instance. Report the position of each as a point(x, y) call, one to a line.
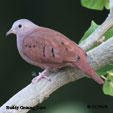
point(49, 49)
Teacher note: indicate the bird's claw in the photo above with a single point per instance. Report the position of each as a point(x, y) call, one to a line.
point(41, 75)
point(47, 78)
point(37, 78)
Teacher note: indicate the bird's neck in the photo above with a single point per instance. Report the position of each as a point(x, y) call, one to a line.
point(19, 44)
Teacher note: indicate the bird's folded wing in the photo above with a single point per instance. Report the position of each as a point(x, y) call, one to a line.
point(48, 46)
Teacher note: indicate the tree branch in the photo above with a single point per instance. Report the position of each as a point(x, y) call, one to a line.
point(99, 32)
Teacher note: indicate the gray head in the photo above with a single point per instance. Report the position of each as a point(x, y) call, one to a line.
point(21, 27)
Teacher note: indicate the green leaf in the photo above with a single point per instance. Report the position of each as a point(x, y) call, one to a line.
point(107, 70)
point(109, 33)
point(95, 4)
point(108, 86)
point(106, 4)
point(103, 70)
point(89, 31)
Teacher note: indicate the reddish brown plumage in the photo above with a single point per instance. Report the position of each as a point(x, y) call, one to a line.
point(52, 50)
point(49, 49)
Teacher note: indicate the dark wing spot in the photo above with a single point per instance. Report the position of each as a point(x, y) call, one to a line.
point(86, 54)
point(78, 57)
point(44, 51)
point(52, 51)
point(29, 46)
point(66, 49)
point(25, 45)
point(62, 43)
point(34, 46)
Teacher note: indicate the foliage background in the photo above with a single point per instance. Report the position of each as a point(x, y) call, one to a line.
point(67, 17)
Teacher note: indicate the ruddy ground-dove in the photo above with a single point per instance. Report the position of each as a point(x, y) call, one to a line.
point(49, 49)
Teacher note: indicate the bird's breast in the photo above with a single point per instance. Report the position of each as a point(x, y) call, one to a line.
point(23, 54)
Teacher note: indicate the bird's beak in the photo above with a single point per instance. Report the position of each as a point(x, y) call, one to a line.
point(9, 32)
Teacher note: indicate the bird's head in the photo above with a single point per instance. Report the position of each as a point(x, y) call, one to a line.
point(22, 26)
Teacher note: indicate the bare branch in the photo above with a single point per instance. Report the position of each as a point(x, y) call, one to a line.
point(111, 6)
point(99, 32)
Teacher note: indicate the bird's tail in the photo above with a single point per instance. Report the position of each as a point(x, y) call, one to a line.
point(86, 68)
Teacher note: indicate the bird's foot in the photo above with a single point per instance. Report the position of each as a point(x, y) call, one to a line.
point(41, 75)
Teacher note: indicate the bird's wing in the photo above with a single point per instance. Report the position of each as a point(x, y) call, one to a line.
point(48, 46)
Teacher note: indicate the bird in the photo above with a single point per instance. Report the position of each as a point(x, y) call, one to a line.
point(49, 49)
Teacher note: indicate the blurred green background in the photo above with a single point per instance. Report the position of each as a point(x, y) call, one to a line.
point(67, 17)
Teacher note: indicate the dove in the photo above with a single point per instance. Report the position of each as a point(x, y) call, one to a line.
point(49, 50)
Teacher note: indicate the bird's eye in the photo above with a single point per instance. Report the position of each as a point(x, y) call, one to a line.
point(19, 25)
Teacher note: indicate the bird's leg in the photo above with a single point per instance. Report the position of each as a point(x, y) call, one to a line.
point(41, 75)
